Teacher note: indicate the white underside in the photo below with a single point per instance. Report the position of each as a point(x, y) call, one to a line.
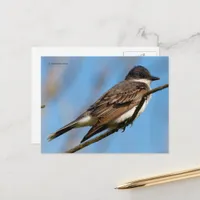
point(86, 121)
point(130, 113)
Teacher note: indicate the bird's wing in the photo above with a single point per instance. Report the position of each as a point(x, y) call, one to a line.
point(114, 103)
point(118, 100)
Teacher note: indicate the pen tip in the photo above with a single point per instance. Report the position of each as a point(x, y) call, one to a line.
point(121, 187)
point(129, 186)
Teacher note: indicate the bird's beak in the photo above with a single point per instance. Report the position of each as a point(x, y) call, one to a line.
point(153, 78)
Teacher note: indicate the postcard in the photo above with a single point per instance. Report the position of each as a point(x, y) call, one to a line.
point(57, 61)
point(84, 98)
point(89, 103)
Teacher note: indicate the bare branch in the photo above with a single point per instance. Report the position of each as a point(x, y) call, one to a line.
point(121, 125)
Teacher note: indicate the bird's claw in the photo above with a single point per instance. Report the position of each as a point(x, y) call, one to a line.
point(126, 123)
point(131, 124)
point(123, 129)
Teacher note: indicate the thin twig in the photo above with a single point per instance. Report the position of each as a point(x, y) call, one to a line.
point(121, 125)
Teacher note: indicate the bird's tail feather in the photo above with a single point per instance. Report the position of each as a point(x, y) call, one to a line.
point(93, 131)
point(63, 130)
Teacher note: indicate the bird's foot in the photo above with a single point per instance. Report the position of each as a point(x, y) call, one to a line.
point(131, 123)
point(123, 129)
point(126, 123)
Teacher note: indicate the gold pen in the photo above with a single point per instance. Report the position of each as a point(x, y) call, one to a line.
point(186, 174)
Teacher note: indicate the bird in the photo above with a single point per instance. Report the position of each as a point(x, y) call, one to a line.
point(115, 106)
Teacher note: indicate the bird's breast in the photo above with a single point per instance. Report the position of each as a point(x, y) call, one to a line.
point(130, 113)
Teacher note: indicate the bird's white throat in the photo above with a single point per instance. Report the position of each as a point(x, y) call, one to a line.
point(148, 82)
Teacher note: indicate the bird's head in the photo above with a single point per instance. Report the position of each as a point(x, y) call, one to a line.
point(140, 73)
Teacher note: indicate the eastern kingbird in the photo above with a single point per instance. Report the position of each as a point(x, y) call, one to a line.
point(115, 106)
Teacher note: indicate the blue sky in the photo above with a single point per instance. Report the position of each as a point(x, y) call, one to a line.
point(81, 82)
